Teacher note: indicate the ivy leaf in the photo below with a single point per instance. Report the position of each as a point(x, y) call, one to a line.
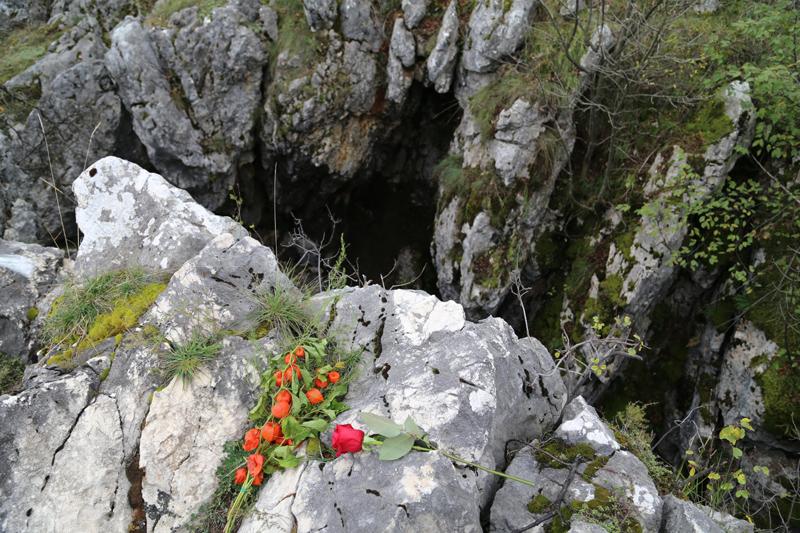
point(381, 425)
point(396, 447)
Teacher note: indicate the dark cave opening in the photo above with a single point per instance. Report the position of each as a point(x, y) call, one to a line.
point(385, 212)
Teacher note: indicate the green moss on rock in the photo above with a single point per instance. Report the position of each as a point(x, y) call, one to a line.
point(11, 370)
point(23, 47)
point(559, 454)
point(780, 388)
point(122, 317)
point(539, 504)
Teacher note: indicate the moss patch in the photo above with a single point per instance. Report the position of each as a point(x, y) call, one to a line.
point(23, 47)
point(11, 370)
point(122, 316)
point(539, 504)
point(164, 9)
point(780, 387)
point(710, 121)
point(559, 454)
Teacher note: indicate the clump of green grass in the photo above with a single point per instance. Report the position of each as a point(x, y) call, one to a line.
point(631, 429)
point(164, 9)
point(183, 361)
point(75, 311)
point(23, 46)
point(11, 370)
point(294, 34)
point(282, 309)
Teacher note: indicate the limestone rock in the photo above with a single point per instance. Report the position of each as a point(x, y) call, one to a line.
point(462, 382)
point(496, 31)
point(193, 92)
point(441, 60)
point(29, 452)
point(680, 515)
point(414, 11)
point(186, 429)
point(27, 273)
point(129, 217)
point(81, 116)
point(215, 290)
point(581, 424)
point(321, 14)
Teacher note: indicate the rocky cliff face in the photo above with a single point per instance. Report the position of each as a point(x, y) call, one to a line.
point(109, 446)
point(526, 161)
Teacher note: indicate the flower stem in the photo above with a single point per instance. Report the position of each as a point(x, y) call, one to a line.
point(458, 459)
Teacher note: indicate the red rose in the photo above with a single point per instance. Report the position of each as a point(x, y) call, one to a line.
point(241, 476)
point(251, 440)
point(255, 463)
point(347, 439)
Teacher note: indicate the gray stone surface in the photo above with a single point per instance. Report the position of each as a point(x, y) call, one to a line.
point(320, 14)
point(683, 516)
point(462, 382)
point(27, 273)
point(582, 425)
point(216, 289)
point(625, 474)
point(414, 11)
point(129, 216)
point(34, 425)
point(80, 118)
point(496, 30)
point(193, 92)
point(441, 61)
point(186, 429)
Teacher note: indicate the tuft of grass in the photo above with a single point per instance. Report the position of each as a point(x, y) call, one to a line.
point(631, 429)
point(11, 370)
point(185, 360)
point(75, 311)
point(282, 309)
point(163, 10)
point(294, 34)
point(23, 47)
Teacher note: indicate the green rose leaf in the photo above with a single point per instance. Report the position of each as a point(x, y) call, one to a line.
point(317, 425)
point(381, 425)
point(396, 447)
point(411, 427)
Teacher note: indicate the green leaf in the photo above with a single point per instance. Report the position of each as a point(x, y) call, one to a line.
point(411, 427)
point(737, 453)
point(316, 424)
point(381, 425)
point(292, 429)
point(396, 447)
point(742, 493)
point(746, 424)
point(731, 434)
